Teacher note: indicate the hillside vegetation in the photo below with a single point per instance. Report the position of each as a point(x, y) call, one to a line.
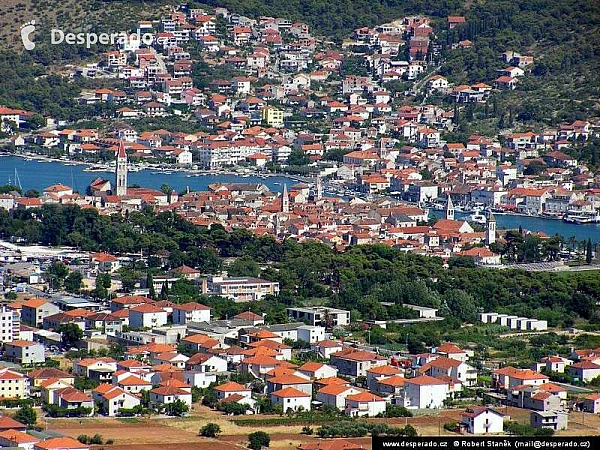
point(74, 16)
point(562, 35)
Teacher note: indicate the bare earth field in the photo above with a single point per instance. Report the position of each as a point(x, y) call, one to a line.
point(182, 433)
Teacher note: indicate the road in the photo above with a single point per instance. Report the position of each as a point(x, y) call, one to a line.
point(160, 60)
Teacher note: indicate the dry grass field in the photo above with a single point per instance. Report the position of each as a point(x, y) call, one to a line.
point(182, 433)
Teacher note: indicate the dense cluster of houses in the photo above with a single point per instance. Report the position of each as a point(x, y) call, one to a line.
point(172, 348)
point(388, 148)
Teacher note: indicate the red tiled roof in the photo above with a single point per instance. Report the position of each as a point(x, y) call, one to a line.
point(290, 392)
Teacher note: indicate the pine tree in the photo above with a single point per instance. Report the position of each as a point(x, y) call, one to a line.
point(164, 291)
point(588, 252)
point(150, 284)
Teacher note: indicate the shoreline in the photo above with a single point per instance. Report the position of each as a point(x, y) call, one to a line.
point(159, 167)
point(189, 173)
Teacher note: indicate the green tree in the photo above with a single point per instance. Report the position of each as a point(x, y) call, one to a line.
point(74, 282)
point(150, 286)
point(104, 280)
point(298, 158)
point(103, 284)
point(56, 274)
point(26, 415)
point(258, 440)
point(244, 267)
point(588, 252)
point(70, 334)
point(461, 304)
point(164, 291)
point(177, 408)
point(210, 430)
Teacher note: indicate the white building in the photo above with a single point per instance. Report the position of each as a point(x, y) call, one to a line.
point(326, 348)
point(311, 334)
point(317, 370)
point(291, 398)
point(319, 315)
point(425, 392)
point(424, 312)
point(585, 371)
point(242, 289)
point(364, 404)
point(112, 399)
point(335, 394)
point(147, 316)
point(24, 352)
point(482, 420)
point(10, 323)
point(167, 394)
point(190, 312)
point(184, 158)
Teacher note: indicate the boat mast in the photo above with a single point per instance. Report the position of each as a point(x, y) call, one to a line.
point(17, 179)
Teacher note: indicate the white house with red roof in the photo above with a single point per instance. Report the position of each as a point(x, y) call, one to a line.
point(232, 388)
point(129, 382)
point(105, 262)
point(425, 392)
point(335, 394)
point(111, 399)
point(169, 394)
point(291, 398)
point(453, 351)
point(205, 362)
point(509, 377)
point(190, 312)
point(13, 384)
point(482, 420)
point(453, 368)
point(591, 403)
point(17, 439)
point(128, 302)
point(61, 443)
point(174, 358)
point(256, 319)
point(555, 363)
point(283, 349)
point(380, 372)
point(147, 316)
point(364, 404)
point(585, 371)
point(287, 380)
point(353, 362)
point(24, 352)
point(390, 386)
point(326, 347)
point(259, 365)
point(317, 370)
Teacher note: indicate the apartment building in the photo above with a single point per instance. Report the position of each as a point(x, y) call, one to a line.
point(319, 315)
point(10, 322)
point(240, 289)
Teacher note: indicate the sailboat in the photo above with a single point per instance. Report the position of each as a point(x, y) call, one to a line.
point(17, 180)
